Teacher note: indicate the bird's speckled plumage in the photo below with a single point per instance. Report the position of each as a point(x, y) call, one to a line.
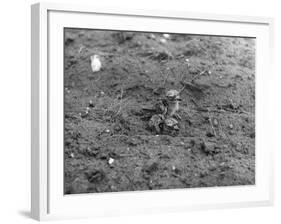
point(166, 113)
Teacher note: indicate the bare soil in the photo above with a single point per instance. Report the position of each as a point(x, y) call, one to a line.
point(112, 149)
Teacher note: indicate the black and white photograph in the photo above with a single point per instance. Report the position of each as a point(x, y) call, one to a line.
point(154, 111)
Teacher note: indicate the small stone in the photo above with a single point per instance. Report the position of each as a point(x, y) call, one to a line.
point(163, 40)
point(67, 90)
point(215, 122)
point(102, 93)
point(231, 126)
point(107, 130)
point(165, 35)
point(72, 155)
point(95, 63)
point(173, 167)
point(209, 147)
point(110, 161)
point(152, 36)
point(91, 104)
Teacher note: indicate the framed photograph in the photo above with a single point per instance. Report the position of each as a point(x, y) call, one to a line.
point(137, 111)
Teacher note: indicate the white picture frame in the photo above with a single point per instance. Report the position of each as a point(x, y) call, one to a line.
point(47, 198)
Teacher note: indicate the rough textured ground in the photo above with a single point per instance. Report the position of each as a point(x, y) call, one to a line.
point(216, 143)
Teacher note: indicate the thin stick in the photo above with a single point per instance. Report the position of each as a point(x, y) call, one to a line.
point(201, 73)
point(80, 49)
point(182, 89)
point(210, 120)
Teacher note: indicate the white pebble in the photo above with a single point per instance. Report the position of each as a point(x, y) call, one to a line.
point(163, 41)
point(95, 63)
point(72, 155)
point(215, 122)
point(110, 161)
point(173, 167)
point(107, 130)
point(152, 36)
point(167, 36)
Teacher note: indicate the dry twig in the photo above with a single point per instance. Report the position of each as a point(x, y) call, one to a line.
point(211, 123)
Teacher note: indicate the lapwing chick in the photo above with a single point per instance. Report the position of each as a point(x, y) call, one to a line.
point(166, 116)
point(173, 99)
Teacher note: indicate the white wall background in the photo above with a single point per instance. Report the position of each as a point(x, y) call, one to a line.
point(15, 110)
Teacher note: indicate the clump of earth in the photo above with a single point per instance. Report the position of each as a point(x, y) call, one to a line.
point(108, 144)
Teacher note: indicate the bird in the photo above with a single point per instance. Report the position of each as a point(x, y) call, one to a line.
point(172, 101)
point(170, 126)
point(156, 123)
point(165, 113)
point(95, 63)
point(159, 107)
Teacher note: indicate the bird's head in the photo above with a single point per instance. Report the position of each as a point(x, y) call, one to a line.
point(173, 96)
